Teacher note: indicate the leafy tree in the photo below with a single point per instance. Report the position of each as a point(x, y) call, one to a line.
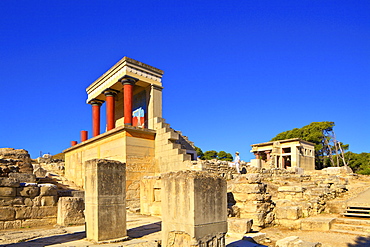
point(208, 155)
point(222, 155)
point(360, 163)
point(319, 133)
point(200, 153)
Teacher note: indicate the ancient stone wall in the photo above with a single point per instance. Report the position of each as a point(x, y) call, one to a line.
point(26, 204)
point(14, 160)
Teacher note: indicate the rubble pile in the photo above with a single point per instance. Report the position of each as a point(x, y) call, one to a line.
point(14, 160)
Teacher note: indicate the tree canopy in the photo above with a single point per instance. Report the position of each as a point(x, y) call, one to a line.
point(212, 154)
point(322, 135)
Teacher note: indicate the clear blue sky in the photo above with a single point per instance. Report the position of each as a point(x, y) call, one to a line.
point(236, 72)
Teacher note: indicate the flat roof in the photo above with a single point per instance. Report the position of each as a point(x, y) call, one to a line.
point(282, 141)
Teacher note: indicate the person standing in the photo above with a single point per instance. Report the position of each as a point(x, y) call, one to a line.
point(236, 162)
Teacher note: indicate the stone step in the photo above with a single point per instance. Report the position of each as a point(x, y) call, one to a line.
point(356, 215)
point(352, 221)
point(349, 227)
point(351, 232)
point(353, 210)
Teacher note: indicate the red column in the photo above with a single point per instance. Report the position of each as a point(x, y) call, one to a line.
point(128, 85)
point(83, 135)
point(110, 103)
point(95, 117)
point(73, 143)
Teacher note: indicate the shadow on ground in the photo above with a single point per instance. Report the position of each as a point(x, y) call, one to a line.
point(57, 239)
point(361, 242)
point(141, 231)
point(244, 243)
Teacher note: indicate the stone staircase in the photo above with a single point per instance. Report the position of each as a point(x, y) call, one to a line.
point(351, 226)
point(357, 211)
point(172, 148)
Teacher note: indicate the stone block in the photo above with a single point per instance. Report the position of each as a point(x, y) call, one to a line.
point(10, 201)
point(23, 177)
point(105, 201)
point(7, 213)
point(317, 224)
point(290, 224)
point(294, 241)
point(290, 213)
point(242, 197)
point(8, 192)
point(23, 212)
point(49, 200)
point(157, 195)
point(71, 211)
point(237, 225)
point(29, 191)
point(9, 182)
point(50, 221)
point(248, 188)
point(14, 224)
point(295, 189)
point(40, 172)
point(48, 190)
point(196, 208)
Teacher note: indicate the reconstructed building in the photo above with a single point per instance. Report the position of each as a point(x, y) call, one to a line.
point(136, 133)
point(285, 154)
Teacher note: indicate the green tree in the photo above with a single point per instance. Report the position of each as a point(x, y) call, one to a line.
point(208, 155)
point(222, 155)
point(360, 163)
point(200, 153)
point(319, 133)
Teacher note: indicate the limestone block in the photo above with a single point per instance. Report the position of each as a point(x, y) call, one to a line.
point(317, 224)
point(23, 177)
point(39, 222)
point(157, 195)
point(237, 225)
point(10, 201)
point(248, 188)
point(23, 212)
point(14, 224)
point(8, 192)
point(48, 190)
point(291, 224)
point(7, 213)
point(49, 200)
point(242, 197)
point(290, 213)
point(8, 182)
point(40, 172)
point(1, 225)
point(29, 191)
point(71, 211)
point(295, 189)
point(253, 207)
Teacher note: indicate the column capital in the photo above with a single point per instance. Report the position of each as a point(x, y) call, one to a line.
point(128, 80)
point(96, 102)
point(110, 92)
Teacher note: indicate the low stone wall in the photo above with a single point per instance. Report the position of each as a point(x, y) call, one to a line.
point(26, 204)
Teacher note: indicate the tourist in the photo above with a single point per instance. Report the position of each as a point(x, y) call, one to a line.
point(236, 162)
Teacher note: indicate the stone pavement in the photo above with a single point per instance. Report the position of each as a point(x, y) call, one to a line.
point(142, 231)
point(363, 199)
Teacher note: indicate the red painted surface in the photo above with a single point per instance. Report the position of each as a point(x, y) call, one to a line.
point(127, 102)
point(109, 101)
point(96, 119)
point(73, 143)
point(83, 135)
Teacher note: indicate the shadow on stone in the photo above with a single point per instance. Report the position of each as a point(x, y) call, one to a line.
point(58, 239)
point(361, 242)
point(144, 230)
point(245, 243)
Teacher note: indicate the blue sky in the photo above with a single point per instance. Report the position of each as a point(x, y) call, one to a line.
point(236, 72)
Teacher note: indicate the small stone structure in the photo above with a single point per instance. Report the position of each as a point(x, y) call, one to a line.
point(14, 161)
point(196, 213)
point(71, 211)
point(105, 201)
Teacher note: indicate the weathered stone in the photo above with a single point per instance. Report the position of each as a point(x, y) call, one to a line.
point(317, 224)
point(14, 224)
point(8, 182)
point(241, 226)
point(105, 201)
point(8, 192)
point(290, 189)
point(23, 212)
point(23, 177)
point(248, 188)
point(29, 191)
point(7, 213)
point(294, 241)
point(196, 205)
point(48, 190)
point(49, 200)
point(10, 201)
point(71, 211)
point(40, 172)
point(290, 213)
point(39, 222)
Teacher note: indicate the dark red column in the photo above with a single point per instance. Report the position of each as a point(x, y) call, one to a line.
point(83, 135)
point(128, 85)
point(110, 103)
point(96, 116)
point(73, 143)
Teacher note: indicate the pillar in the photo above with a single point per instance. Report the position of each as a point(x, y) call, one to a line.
point(268, 156)
point(257, 155)
point(128, 83)
point(83, 135)
point(105, 200)
point(73, 143)
point(154, 104)
point(110, 104)
point(95, 104)
point(195, 206)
